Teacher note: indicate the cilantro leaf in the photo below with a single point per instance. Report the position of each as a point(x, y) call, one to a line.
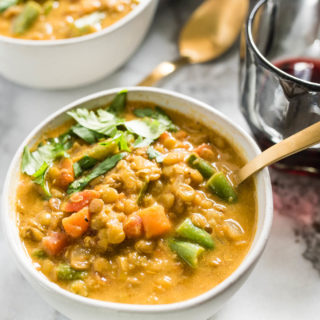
point(39, 178)
point(154, 154)
point(147, 128)
point(157, 114)
point(85, 163)
point(48, 152)
point(97, 171)
point(100, 121)
point(142, 142)
point(118, 104)
point(121, 138)
point(85, 134)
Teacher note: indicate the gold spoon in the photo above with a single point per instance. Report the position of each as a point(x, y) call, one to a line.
point(211, 31)
point(295, 143)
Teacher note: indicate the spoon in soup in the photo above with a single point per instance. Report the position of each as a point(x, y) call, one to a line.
point(287, 147)
point(212, 30)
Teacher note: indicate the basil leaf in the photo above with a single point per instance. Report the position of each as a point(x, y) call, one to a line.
point(85, 134)
point(101, 121)
point(154, 154)
point(6, 4)
point(39, 178)
point(146, 128)
point(97, 171)
point(157, 114)
point(118, 104)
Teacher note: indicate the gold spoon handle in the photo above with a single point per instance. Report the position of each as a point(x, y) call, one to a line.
point(295, 143)
point(163, 70)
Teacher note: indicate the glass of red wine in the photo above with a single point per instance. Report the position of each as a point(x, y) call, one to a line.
point(280, 75)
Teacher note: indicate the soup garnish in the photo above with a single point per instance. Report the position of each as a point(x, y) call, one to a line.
point(123, 204)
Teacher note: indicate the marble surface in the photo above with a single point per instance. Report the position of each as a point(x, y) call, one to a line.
point(285, 283)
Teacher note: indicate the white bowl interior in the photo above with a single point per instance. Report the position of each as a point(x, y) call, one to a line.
point(173, 101)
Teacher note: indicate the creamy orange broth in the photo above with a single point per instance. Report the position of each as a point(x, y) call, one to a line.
point(58, 23)
point(140, 270)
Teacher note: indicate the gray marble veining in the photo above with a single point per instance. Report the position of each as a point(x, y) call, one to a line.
point(283, 286)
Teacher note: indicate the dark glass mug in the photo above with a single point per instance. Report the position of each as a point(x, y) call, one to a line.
point(278, 103)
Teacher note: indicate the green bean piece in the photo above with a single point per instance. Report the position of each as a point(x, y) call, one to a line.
point(142, 192)
point(219, 185)
point(189, 231)
point(66, 273)
point(203, 166)
point(26, 18)
point(188, 252)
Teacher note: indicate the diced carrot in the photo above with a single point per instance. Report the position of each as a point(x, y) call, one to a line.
point(77, 224)
point(181, 134)
point(133, 226)
point(80, 199)
point(66, 173)
point(205, 151)
point(54, 243)
point(165, 135)
point(155, 222)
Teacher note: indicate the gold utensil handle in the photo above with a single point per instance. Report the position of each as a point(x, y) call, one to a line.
point(163, 70)
point(295, 143)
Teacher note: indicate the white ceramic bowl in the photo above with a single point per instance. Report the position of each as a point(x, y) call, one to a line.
point(66, 63)
point(201, 307)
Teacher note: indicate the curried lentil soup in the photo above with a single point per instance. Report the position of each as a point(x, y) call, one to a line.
point(127, 204)
point(59, 19)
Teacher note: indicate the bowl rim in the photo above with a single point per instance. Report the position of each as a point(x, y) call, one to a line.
point(28, 269)
point(69, 41)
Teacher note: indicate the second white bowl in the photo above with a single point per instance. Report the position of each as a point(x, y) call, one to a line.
point(59, 64)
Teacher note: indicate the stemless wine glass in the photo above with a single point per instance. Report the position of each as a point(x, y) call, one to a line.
point(279, 61)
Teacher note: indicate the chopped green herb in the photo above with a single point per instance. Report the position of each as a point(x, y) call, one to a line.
point(39, 253)
point(85, 134)
point(85, 163)
point(142, 192)
point(147, 128)
point(66, 273)
point(118, 104)
point(39, 178)
point(142, 142)
point(100, 121)
point(97, 171)
point(157, 114)
point(154, 154)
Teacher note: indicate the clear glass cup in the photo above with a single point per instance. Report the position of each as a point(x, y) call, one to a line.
point(278, 103)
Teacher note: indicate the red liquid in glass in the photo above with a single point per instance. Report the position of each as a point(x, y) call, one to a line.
point(307, 69)
point(307, 161)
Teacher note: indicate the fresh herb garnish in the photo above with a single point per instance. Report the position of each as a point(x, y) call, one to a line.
point(147, 128)
point(66, 273)
point(157, 114)
point(121, 138)
point(154, 154)
point(97, 171)
point(142, 142)
point(118, 104)
point(86, 134)
point(39, 178)
point(85, 163)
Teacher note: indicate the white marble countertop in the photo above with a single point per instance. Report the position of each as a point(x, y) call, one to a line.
point(285, 283)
